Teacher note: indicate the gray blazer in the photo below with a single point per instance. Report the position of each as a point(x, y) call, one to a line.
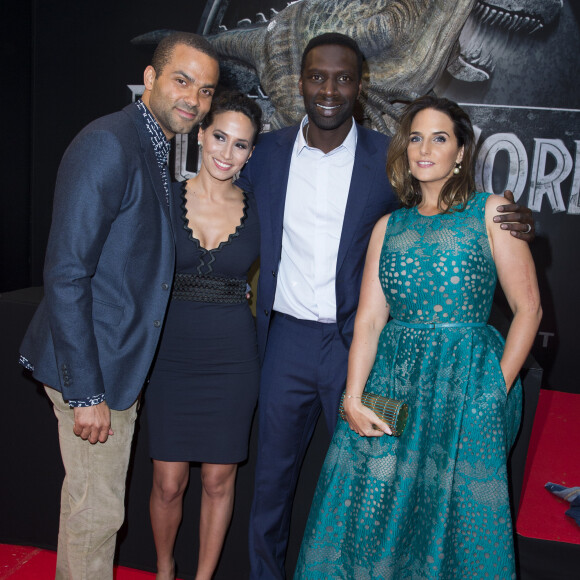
point(109, 266)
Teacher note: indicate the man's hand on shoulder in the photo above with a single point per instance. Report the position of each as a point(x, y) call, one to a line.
point(93, 423)
point(516, 218)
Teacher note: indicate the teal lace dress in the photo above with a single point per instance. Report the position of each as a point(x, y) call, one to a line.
point(433, 503)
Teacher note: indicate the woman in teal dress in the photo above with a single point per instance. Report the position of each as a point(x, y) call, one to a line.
point(432, 503)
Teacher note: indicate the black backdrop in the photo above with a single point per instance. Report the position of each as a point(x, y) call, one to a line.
point(68, 62)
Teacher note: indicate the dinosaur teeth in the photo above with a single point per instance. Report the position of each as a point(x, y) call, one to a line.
point(474, 55)
point(521, 24)
point(487, 62)
point(505, 20)
point(482, 43)
point(495, 17)
point(511, 22)
point(260, 17)
point(486, 15)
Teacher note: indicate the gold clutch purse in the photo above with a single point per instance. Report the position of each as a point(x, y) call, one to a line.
point(394, 413)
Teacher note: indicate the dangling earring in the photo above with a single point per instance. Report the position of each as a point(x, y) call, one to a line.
point(457, 169)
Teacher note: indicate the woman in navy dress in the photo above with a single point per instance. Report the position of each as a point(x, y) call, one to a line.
point(204, 385)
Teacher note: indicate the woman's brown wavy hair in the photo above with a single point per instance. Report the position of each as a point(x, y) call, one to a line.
point(459, 188)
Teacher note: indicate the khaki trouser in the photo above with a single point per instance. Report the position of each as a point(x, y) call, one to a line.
point(92, 505)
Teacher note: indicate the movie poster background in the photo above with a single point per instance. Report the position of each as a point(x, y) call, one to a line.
point(67, 63)
point(528, 119)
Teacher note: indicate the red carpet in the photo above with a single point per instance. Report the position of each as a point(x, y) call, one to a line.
point(553, 455)
point(25, 563)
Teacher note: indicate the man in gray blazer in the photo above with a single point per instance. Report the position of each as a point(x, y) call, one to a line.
point(108, 273)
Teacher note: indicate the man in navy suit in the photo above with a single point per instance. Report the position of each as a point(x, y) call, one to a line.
point(320, 187)
point(108, 274)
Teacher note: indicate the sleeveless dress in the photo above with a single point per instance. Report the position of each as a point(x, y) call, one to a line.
point(433, 503)
point(204, 385)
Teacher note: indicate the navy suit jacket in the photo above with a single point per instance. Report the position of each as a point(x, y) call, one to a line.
point(370, 197)
point(109, 266)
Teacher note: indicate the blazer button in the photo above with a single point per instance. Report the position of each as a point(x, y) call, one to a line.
point(273, 273)
point(267, 312)
point(164, 286)
point(156, 323)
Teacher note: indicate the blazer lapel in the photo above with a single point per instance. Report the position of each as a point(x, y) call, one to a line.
point(363, 173)
point(149, 156)
point(279, 173)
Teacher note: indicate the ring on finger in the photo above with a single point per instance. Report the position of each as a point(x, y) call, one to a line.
point(528, 230)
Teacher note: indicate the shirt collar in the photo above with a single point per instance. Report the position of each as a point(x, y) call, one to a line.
point(161, 145)
point(349, 143)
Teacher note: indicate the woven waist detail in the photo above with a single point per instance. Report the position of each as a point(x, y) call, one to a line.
point(435, 325)
point(208, 289)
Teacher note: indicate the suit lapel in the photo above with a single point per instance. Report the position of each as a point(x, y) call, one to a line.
point(149, 156)
point(279, 174)
point(363, 173)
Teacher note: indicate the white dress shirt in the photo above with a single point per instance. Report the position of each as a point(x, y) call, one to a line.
point(316, 197)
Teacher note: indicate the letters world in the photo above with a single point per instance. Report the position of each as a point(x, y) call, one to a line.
point(533, 151)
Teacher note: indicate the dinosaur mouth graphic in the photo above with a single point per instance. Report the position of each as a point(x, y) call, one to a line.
point(486, 34)
point(510, 21)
